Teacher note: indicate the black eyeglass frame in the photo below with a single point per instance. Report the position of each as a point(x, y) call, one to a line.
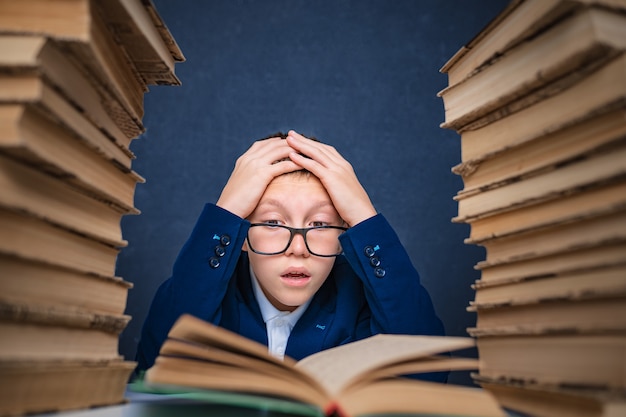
point(293, 231)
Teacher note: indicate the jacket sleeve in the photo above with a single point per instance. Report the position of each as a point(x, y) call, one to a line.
point(397, 301)
point(200, 278)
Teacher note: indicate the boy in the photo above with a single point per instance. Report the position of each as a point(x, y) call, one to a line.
point(294, 256)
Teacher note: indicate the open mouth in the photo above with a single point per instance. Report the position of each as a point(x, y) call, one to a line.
point(295, 275)
point(296, 278)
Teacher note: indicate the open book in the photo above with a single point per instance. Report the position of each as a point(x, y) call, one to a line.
point(359, 378)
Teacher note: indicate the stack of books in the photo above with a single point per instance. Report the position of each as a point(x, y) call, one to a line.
point(72, 79)
point(538, 98)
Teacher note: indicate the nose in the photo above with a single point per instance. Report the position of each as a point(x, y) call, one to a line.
point(298, 246)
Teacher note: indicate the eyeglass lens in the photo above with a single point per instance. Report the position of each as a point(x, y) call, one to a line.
point(276, 239)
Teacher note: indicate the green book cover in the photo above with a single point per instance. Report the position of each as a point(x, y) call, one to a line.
point(234, 399)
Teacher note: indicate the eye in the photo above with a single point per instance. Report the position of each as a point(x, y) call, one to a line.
point(318, 224)
point(272, 222)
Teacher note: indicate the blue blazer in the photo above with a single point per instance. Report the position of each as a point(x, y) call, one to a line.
point(372, 288)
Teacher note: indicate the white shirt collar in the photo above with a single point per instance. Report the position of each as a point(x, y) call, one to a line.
point(268, 311)
point(278, 323)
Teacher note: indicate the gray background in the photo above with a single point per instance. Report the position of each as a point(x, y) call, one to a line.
point(362, 75)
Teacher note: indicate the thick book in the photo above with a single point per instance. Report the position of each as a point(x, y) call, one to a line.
point(146, 39)
point(45, 386)
point(31, 238)
point(520, 21)
point(354, 379)
point(542, 153)
point(567, 104)
point(597, 282)
point(50, 286)
point(555, 356)
point(544, 400)
point(575, 315)
point(32, 332)
point(51, 199)
point(574, 205)
point(84, 36)
point(557, 239)
point(29, 134)
point(35, 93)
point(590, 300)
point(588, 171)
point(599, 35)
point(554, 264)
point(42, 56)
point(124, 45)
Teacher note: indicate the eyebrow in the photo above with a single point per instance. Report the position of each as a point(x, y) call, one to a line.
point(280, 204)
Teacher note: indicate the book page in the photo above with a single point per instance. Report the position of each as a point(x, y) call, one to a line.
point(255, 365)
point(194, 374)
point(337, 367)
point(212, 348)
point(411, 397)
point(193, 329)
point(428, 364)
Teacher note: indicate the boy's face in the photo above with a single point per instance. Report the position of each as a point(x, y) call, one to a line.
point(291, 278)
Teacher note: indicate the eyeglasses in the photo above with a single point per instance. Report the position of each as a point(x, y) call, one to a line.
point(274, 239)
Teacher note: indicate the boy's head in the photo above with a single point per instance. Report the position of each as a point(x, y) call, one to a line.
point(298, 200)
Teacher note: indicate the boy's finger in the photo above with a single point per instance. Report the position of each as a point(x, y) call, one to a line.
point(320, 152)
point(268, 151)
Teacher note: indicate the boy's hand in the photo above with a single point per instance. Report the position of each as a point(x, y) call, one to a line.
point(337, 176)
point(253, 172)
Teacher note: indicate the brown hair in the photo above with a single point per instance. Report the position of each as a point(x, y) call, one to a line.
point(300, 172)
point(284, 136)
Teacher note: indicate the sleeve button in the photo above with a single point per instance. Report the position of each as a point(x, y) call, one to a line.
point(375, 261)
point(369, 251)
point(219, 251)
point(379, 272)
point(214, 262)
point(225, 240)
